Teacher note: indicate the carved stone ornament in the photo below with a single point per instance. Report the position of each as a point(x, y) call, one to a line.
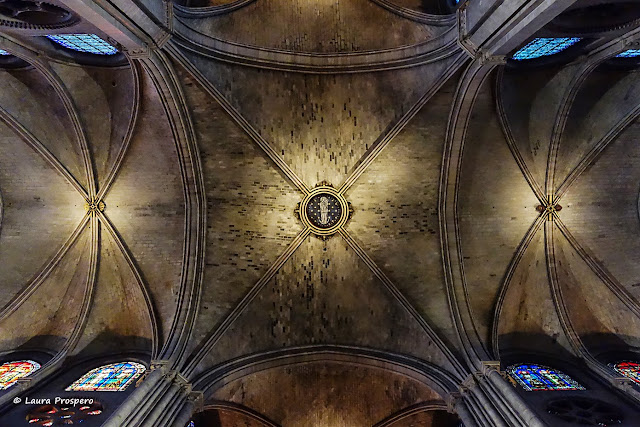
point(94, 206)
point(324, 210)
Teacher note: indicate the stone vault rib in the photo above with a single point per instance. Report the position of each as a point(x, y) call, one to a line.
point(74, 115)
point(166, 81)
point(244, 124)
point(53, 364)
point(139, 280)
point(522, 248)
point(44, 272)
point(467, 91)
point(388, 136)
point(242, 305)
point(593, 60)
point(111, 176)
point(393, 290)
point(39, 148)
point(506, 128)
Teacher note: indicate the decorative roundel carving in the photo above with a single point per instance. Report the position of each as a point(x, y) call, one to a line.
point(35, 14)
point(53, 415)
point(585, 411)
point(324, 210)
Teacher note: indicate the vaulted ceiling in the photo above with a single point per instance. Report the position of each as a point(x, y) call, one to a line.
point(149, 206)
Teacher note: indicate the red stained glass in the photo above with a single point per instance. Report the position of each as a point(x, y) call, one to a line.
point(629, 370)
point(12, 371)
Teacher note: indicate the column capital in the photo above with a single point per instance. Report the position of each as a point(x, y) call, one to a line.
point(182, 382)
point(468, 384)
point(623, 383)
point(197, 398)
point(499, 26)
point(23, 383)
point(139, 53)
point(157, 364)
point(490, 365)
point(486, 57)
point(451, 400)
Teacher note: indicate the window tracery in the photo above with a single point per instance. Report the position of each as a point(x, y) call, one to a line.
point(538, 377)
point(10, 372)
point(48, 415)
point(112, 377)
point(544, 46)
point(628, 369)
point(88, 43)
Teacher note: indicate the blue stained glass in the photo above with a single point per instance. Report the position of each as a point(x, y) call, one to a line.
point(631, 53)
point(89, 43)
point(4, 52)
point(537, 377)
point(113, 377)
point(544, 47)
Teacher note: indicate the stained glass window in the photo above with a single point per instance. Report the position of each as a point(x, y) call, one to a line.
point(631, 53)
point(11, 371)
point(537, 377)
point(89, 43)
point(628, 369)
point(544, 47)
point(4, 52)
point(48, 415)
point(113, 377)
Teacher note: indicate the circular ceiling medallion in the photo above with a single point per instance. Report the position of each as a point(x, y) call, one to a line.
point(324, 210)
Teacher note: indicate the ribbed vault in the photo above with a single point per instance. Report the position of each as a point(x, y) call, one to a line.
point(149, 208)
point(69, 146)
point(561, 132)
